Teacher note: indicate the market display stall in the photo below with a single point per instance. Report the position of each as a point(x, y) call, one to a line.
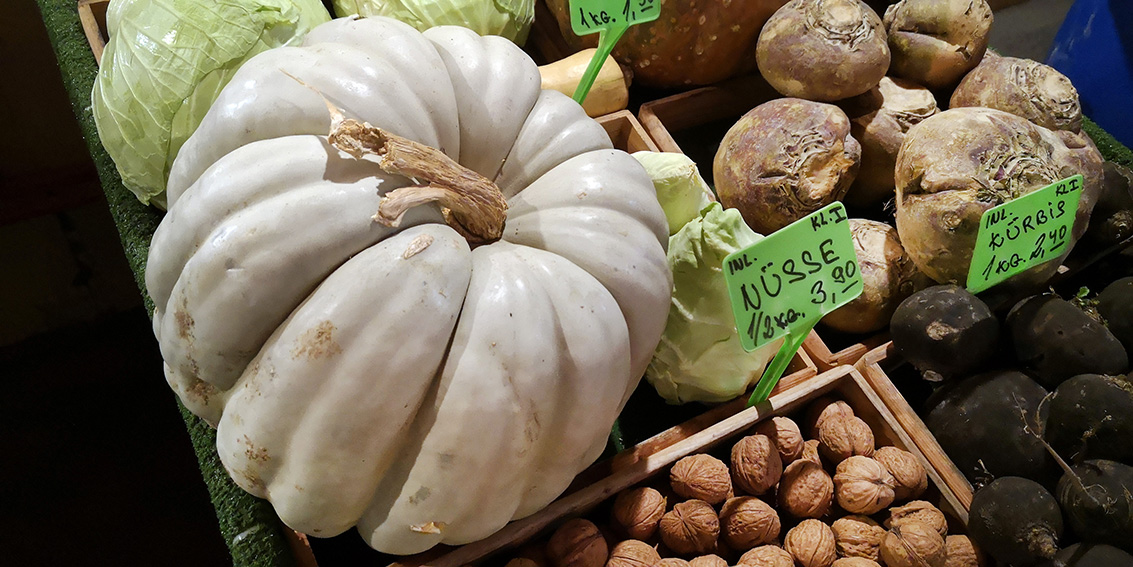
point(533, 324)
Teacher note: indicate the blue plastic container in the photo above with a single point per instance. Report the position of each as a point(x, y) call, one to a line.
point(1094, 48)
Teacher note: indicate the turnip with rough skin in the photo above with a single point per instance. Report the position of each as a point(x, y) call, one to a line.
point(1091, 417)
point(1015, 520)
point(879, 120)
point(990, 426)
point(1024, 88)
point(783, 160)
point(1055, 340)
point(944, 331)
point(1112, 219)
point(934, 42)
point(1115, 304)
point(956, 165)
point(888, 277)
point(1097, 497)
point(1090, 555)
point(823, 50)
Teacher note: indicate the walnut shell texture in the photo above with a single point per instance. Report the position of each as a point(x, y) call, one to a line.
point(863, 485)
point(746, 521)
point(690, 528)
point(633, 553)
point(785, 434)
point(918, 511)
point(913, 545)
point(811, 543)
point(672, 562)
point(961, 552)
point(701, 477)
point(577, 543)
point(910, 476)
point(709, 560)
point(638, 511)
point(521, 562)
point(855, 562)
point(767, 556)
point(824, 408)
point(810, 452)
point(756, 465)
point(806, 490)
point(858, 536)
point(839, 439)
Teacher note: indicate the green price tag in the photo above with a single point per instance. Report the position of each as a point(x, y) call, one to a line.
point(589, 16)
point(783, 284)
point(610, 19)
point(1023, 233)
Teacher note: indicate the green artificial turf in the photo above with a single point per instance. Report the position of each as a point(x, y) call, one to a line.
point(248, 525)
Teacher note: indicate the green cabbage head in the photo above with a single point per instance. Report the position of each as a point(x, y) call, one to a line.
point(165, 64)
point(508, 18)
point(700, 358)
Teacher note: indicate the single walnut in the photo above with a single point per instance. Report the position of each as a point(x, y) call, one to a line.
point(961, 552)
point(806, 490)
point(708, 561)
point(690, 528)
point(637, 511)
point(633, 553)
point(767, 556)
point(822, 409)
point(913, 545)
point(756, 465)
point(863, 485)
point(577, 543)
point(839, 439)
point(701, 477)
point(786, 436)
point(747, 521)
point(918, 511)
point(811, 543)
point(858, 536)
point(672, 562)
point(810, 452)
point(912, 480)
point(855, 562)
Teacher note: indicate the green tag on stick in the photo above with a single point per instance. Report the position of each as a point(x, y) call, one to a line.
point(610, 18)
point(784, 284)
point(1024, 233)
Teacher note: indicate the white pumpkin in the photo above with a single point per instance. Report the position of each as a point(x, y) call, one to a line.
point(398, 379)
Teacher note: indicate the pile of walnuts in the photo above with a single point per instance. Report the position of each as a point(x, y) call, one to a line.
point(774, 504)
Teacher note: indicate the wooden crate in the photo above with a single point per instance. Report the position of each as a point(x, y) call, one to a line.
point(92, 15)
point(626, 132)
point(872, 368)
point(844, 381)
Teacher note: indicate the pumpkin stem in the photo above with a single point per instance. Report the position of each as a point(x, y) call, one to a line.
point(471, 204)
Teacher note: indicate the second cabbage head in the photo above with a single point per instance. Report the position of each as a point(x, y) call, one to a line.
point(508, 18)
point(700, 357)
point(164, 65)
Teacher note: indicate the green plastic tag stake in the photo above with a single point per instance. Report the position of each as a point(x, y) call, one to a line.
point(1023, 233)
point(610, 18)
point(784, 284)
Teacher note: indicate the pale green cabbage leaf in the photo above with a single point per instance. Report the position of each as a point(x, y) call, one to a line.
point(165, 64)
point(508, 18)
point(680, 188)
point(700, 357)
